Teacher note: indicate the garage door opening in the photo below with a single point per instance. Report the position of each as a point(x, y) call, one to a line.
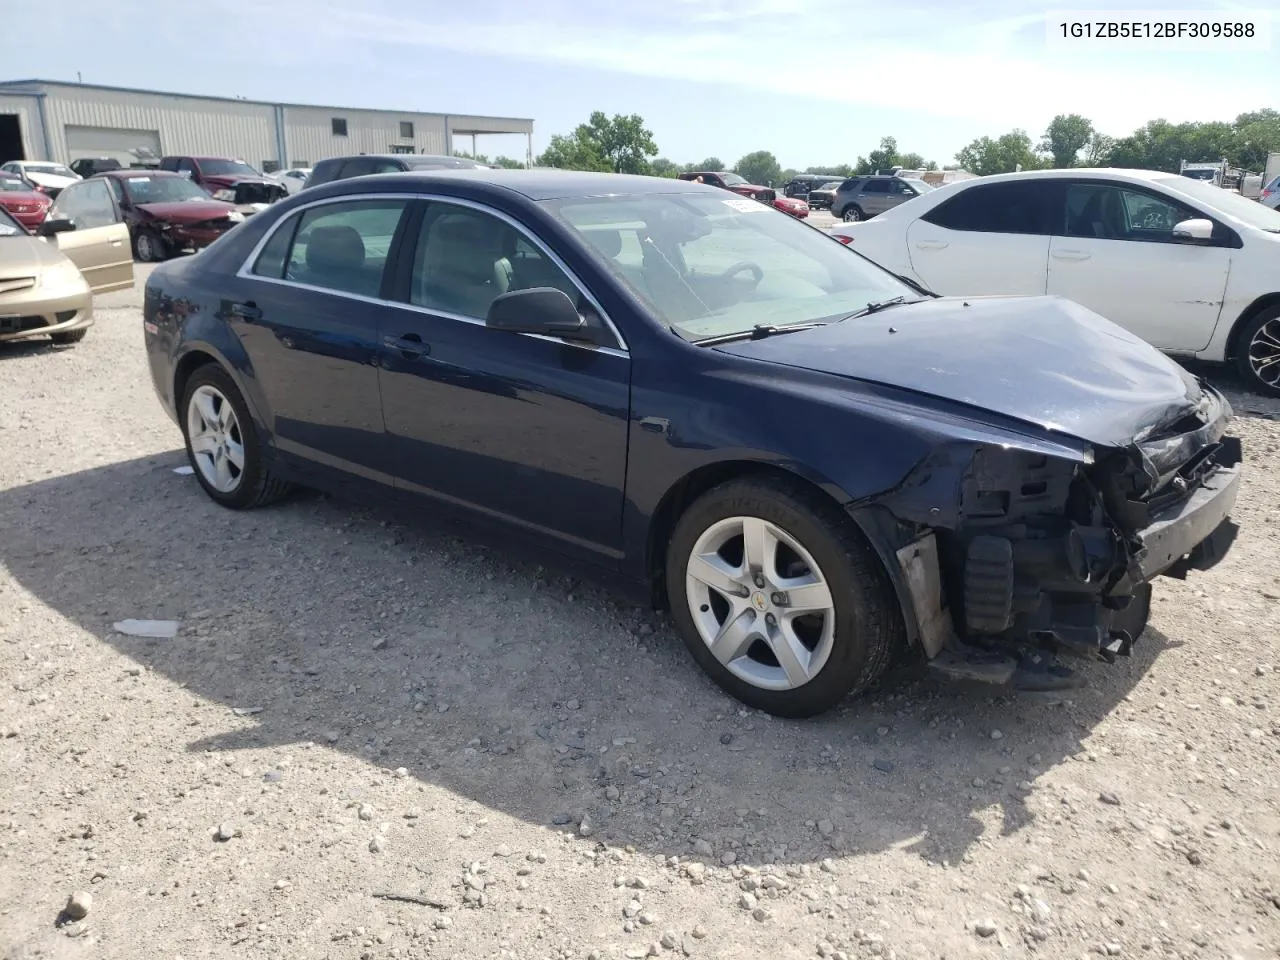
point(115, 142)
point(11, 138)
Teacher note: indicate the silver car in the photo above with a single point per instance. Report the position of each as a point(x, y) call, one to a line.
point(861, 198)
point(1270, 195)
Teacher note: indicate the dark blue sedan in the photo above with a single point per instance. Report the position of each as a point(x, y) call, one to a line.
point(812, 464)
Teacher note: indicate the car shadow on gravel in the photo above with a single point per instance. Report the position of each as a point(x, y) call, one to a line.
point(540, 696)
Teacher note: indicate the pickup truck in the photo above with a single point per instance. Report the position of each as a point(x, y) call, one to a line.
point(233, 181)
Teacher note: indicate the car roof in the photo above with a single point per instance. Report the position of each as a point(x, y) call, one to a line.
point(533, 184)
point(128, 173)
point(1087, 173)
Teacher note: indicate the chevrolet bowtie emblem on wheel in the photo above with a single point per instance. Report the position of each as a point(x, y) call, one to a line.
point(759, 601)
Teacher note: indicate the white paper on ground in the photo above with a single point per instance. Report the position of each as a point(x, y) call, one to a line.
point(160, 629)
point(183, 471)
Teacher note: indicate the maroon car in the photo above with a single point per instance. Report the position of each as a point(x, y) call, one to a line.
point(731, 181)
point(225, 179)
point(166, 212)
point(25, 205)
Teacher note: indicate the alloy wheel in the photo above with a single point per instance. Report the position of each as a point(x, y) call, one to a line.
point(217, 445)
point(1264, 353)
point(851, 215)
point(760, 603)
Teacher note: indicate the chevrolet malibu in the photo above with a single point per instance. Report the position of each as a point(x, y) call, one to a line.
point(812, 464)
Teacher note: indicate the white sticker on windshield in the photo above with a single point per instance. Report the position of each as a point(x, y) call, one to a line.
point(744, 204)
point(139, 179)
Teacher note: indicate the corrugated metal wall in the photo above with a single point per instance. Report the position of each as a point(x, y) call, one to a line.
point(27, 109)
point(232, 128)
point(185, 124)
point(309, 133)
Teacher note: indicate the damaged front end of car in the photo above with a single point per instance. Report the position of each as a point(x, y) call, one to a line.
point(1006, 550)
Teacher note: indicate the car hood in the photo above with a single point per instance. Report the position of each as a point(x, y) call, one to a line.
point(10, 197)
point(50, 179)
point(232, 180)
point(187, 211)
point(1042, 360)
point(25, 256)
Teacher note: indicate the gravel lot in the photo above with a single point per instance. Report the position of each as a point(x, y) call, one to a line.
point(354, 706)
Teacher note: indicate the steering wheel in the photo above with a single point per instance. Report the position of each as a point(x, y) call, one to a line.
point(744, 265)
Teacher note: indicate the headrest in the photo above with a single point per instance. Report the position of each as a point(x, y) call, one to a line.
point(608, 242)
point(335, 248)
point(463, 245)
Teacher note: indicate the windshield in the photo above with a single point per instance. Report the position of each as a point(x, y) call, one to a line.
point(920, 186)
point(712, 266)
point(227, 168)
point(55, 169)
point(1232, 204)
point(162, 190)
point(1205, 174)
point(731, 179)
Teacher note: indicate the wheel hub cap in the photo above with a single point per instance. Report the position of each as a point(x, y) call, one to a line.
point(760, 603)
point(217, 448)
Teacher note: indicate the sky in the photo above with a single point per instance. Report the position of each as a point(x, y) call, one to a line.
point(813, 81)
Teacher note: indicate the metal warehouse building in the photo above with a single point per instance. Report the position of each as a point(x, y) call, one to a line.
point(49, 120)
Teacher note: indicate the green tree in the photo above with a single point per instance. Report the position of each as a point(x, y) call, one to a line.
point(883, 158)
point(915, 161)
point(662, 167)
point(839, 170)
point(1004, 154)
point(621, 144)
point(1067, 135)
point(1258, 134)
point(504, 162)
point(760, 167)
point(711, 163)
point(1161, 145)
point(1098, 152)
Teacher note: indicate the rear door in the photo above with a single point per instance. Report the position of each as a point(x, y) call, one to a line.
point(988, 239)
point(875, 198)
point(307, 312)
point(99, 244)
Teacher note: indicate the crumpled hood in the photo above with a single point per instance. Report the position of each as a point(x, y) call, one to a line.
point(188, 211)
point(1042, 360)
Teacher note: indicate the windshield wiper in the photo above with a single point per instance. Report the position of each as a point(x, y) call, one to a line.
point(875, 306)
point(759, 332)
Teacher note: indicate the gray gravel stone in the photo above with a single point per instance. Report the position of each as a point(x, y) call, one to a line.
point(985, 928)
point(78, 905)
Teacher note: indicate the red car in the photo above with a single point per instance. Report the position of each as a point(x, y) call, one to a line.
point(792, 205)
point(27, 206)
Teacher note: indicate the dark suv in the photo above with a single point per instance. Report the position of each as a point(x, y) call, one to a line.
point(861, 198)
point(344, 168)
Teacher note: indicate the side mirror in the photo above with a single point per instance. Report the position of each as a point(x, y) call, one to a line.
point(1197, 230)
point(544, 310)
point(51, 228)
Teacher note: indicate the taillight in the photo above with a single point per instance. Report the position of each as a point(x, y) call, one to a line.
point(847, 241)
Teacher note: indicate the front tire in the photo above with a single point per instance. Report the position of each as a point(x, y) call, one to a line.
point(779, 598)
point(150, 247)
point(223, 445)
point(1258, 357)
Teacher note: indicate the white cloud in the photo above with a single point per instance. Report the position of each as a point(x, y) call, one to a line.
point(984, 62)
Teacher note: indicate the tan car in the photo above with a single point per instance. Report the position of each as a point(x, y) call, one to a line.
point(47, 282)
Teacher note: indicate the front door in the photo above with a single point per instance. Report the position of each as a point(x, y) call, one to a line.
point(529, 430)
point(307, 317)
point(1114, 252)
point(99, 244)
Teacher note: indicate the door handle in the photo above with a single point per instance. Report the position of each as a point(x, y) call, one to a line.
point(248, 312)
point(930, 244)
point(1071, 255)
point(410, 346)
point(117, 243)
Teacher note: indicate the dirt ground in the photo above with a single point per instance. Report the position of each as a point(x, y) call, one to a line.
point(354, 707)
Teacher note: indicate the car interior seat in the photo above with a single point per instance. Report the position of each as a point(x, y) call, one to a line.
point(460, 265)
point(336, 257)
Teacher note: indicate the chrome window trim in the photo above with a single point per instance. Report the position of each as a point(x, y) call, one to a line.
point(246, 268)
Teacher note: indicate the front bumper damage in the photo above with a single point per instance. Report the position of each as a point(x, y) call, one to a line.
point(1000, 551)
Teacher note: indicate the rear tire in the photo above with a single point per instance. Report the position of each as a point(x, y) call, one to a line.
point(828, 654)
point(1258, 354)
point(219, 430)
point(852, 214)
point(68, 337)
